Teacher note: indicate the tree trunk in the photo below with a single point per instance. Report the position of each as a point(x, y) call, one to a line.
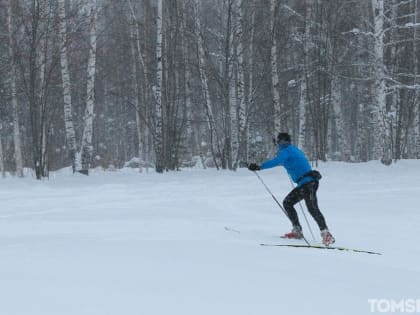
point(383, 135)
point(13, 90)
point(158, 137)
point(192, 127)
point(65, 75)
point(228, 92)
point(274, 70)
point(140, 90)
point(362, 143)
point(2, 170)
point(136, 96)
point(342, 142)
point(204, 80)
point(241, 102)
point(34, 106)
point(302, 112)
point(416, 105)
point(395, 126)
point(251, 91)
point(304, 88)
point(43, 106)
point(86, 148)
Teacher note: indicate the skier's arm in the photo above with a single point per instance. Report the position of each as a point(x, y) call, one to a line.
point(278, 160)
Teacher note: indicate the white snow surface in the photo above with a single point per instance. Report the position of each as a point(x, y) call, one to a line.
point(187, 242)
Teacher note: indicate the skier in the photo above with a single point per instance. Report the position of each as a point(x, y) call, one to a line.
point(307, 180)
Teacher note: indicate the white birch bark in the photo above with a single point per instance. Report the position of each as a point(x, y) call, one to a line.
point(137, 38)
point(302, 113)
point(251, 61)
point(360, 144)
point(274, 70)
point(2, 170)
point(138, 66)
point(251, 91)
point(188, 103)
point(191, 128)
point(383, 136)
point(232, 129)
point(13, 91)
point(203, 76)
point(241, 102)
point(158, 92)
point(303, 97)
point(86, 148)
point(417, 130)
point(342, 143)
point(229, 77)
point(144, 83)
point(392, 113)
point(134, 53)
point(43, 118)
point(65, 75)
point(44, 41)
point(416, 126)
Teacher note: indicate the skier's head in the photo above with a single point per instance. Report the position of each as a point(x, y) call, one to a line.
point(283, 138)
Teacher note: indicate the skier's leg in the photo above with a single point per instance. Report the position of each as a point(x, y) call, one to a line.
point(312, 203)
point(291, 199)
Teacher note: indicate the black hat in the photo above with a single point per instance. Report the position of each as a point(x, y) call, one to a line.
point(283, 138)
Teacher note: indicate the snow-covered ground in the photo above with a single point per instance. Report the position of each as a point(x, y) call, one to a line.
point(125, 243)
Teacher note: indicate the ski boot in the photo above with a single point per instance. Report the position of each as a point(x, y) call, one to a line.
point(296, 233)
point(327, 238)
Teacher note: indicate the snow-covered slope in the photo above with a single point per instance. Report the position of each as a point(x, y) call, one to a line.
point(124, 243)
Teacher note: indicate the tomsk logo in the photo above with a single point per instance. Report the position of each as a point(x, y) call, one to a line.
point(394, 306)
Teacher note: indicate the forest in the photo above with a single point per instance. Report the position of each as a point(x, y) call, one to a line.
point(166, 84)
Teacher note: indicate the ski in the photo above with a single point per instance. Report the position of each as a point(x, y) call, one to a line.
point(325, 247)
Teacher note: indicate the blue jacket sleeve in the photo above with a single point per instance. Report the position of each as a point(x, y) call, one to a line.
point(280, 159)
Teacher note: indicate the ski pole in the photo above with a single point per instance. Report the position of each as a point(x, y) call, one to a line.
point(303, 212)
point(278, 203)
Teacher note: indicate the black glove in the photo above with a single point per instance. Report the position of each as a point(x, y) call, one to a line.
point(254, 167)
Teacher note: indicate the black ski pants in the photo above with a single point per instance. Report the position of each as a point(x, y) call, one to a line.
point(308, 192)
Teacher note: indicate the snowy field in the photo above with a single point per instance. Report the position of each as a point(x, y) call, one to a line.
point(187, 243)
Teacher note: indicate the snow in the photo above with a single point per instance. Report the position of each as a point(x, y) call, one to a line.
point(411, 24)
point(188, 243)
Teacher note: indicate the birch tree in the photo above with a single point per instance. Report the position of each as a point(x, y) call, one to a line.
point(158, 136)
point(341, 75)
point(251, 88)
point(303, 93)
point(302, 112)
point(65, 75)
point(136, 100)
point(204, 81)
point(13, 90)
point(417, 130)
point(86, 147)
point(274, 69)
point(2, 169)
point(227, 88)
point(192, 128)
point(416, 105)
point(342, 142)
point(31, 73)
point(242, 107)
point(44, 41)
point(141, 87)
point(383, 136)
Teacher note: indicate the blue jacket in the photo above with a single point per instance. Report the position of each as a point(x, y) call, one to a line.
point(294, 161)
